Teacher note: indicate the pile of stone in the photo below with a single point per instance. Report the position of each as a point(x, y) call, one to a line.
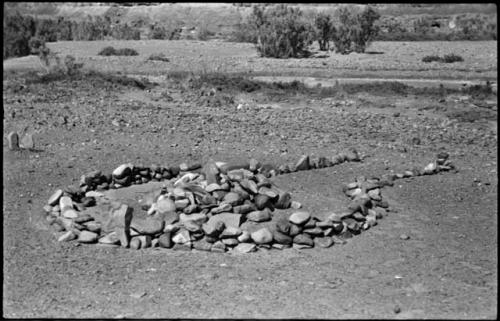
point(209, 208)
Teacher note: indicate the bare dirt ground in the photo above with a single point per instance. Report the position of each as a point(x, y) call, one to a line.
point(446, 269)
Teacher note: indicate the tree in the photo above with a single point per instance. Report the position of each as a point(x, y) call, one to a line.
point(325, 30)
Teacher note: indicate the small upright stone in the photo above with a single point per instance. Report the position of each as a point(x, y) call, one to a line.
point(27, 142)
point(13, 139)
point(54, 199)
point(303, 163)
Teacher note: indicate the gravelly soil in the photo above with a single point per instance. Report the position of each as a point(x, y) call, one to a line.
point(447, 269)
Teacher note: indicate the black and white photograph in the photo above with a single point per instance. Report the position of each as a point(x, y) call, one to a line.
point(219, 160)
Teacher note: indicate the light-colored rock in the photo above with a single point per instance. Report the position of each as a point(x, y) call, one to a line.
point(65, 203)
point(245, 248)
point(233, 199)
point(182, 236)
point(262, 236)
point(70, 213)
point(181, 204)
point(122, 171)
point(244, 237)
point(259, 216)
point(218, 247)
point(231, 232)
point(165, 240)
point(230, 241)
point(54, 198)
point(213, 227)
point(324, 242)
point(67, 236)
point(430, 168)
point(110, 238)
point(87, 237)
point(148, 226)
point(27, 142)
point(295, 205)
point(202, 245)
point(299, 218)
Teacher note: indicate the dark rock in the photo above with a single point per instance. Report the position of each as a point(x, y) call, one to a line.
point(303, 163)
point(304, 239)
point(282, 238)
point(259, 216)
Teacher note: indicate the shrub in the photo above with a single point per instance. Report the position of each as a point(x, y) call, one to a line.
point(282, 32)
point(325, 30)
point(452, 58)
point(125, 32)
point(431, 58)
point(110, 51)
point(158, 57)
point(355, 30)
point(17, 32)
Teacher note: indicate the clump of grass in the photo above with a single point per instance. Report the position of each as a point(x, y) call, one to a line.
point(158, 57)
point(110, 51)
point(451, 58)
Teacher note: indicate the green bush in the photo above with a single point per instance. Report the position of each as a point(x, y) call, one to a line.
point(282, 31)
point(110, 51)
point(125, 32)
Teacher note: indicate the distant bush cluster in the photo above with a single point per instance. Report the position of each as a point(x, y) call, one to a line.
point(281, 31)
point(451, 58)
point(431, 28)
point(111, 51)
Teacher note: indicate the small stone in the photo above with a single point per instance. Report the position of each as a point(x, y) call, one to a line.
point(13, 140)
point(70, 213)
point(165, 240)
point(299, 218)
point(65, 203)
point(218, 247)
point(253, 165)
point(122, 171)
point(338, 240)
point(93, 226)
point(120, 219)
point(358, 217)
point(223, 207)
point(229, 219)
point(110, 238)
point(262, 201)
point(213, 227)
point(245, 248)
point(325, 224)
point(283, 226)
point(404, 237)
point(230, 241)
point(231, 232)
point(145, 241)
point(301, 246)
point(304, 239)
point(233, 199)
point(244, 237)
point(66, 237)
point(313, 231)
point(183, 246)
point(182, 236)
point(244, 209)
point(149, 226)
point(88, 201)
point(259, 216)
point(324, 242)
point(430, 169)
point(303, 163)
point(294, 230)
point(352, 156)
point(262, 236)
point(54, 199)
point(87, 237)
point(135, 243)
point(284, 201)
point(27, 142)
point(282, 238)
point(202, 245)
point(295, 205)
point(181, 204)
point(83, 218)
